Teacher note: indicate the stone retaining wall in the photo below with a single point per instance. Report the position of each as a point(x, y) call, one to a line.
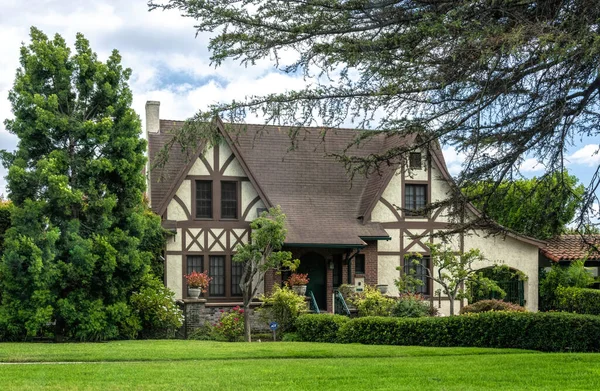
point(197, 312)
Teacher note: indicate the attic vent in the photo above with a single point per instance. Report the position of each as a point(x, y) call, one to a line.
point(415, 160)
point(259, 211)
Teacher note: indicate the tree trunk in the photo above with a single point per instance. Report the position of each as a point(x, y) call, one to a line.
point(247, 329)
point(451, 305)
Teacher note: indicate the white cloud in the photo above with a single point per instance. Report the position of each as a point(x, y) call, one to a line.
point(454, 160)
point(169, 62)
point(531, 165)
point(587, 155)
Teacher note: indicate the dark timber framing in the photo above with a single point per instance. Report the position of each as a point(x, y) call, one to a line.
point(219, 236)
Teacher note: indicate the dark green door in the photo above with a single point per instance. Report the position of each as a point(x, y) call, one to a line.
point(315, 266)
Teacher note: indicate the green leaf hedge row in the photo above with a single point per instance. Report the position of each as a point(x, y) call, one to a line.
point(319, 328)
point(553, 332)
point(579, 300)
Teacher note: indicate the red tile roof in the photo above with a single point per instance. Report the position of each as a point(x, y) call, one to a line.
point(572, 247)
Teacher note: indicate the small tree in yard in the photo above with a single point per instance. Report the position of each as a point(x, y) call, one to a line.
point(451, 270)
point(261, 254)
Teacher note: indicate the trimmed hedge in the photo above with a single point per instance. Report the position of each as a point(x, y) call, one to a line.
point(319, 327)
point(553, 332)
point(579, 300)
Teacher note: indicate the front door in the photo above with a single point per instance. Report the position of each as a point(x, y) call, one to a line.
point(315, 266)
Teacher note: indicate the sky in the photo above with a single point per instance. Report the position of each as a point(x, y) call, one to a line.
point(171, 64)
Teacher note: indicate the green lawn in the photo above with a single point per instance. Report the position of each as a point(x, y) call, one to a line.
point(195, 365)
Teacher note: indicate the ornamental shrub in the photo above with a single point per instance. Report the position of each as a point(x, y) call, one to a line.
point(553, 332)
point(575, 275)
point(319, 327)
point(231, 324)
point(298, 279)
point(579, 300)
point(371, 302)
point(155, 306)
point(492, 305)
point(411, 305)
point(283, 306)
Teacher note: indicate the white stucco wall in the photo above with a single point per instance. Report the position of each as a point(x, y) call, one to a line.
point(249, 193)
point(390, 245)
point(199, 168)
point(439, 186)
point(443, 306)
point(174, 242)
point(234, 169)
point(387, 272)
point(175, 212)
point(382, 214)
point(185, 194)
point(174, 274)
point(451, 242)
point(512, 253)
point(224, 153)
point(393, 191)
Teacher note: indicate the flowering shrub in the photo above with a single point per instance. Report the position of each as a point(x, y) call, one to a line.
point(298, 279)
point(231, 324)
point(492, 305)
point(371, 302)
point(198, 280)
point(283, 306)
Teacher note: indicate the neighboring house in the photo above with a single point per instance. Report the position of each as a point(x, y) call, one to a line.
point(567, 248)
point(342, 231)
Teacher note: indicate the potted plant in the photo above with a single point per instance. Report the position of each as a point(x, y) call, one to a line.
point(298, 282)
point(382, 288)
point(196, 283)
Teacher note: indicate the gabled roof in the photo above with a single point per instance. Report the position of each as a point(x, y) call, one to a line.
point(322, 205)
point(571, 248)
point(314, 191)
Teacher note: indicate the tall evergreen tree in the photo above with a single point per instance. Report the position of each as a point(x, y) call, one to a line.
point(74, 253)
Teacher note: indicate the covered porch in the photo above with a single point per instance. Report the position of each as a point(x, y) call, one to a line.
point(328, 266)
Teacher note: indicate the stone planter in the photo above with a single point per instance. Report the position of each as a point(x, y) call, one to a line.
point(194, 293)
point(299, 289)
point(382, 288)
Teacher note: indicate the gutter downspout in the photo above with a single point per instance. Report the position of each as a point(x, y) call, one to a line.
point(349, 257)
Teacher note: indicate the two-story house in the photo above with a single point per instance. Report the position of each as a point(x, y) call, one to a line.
point(343, 231)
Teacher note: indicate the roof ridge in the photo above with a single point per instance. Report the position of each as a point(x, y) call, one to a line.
point(290, 126)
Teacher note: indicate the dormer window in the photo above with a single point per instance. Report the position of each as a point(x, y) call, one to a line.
point(414, 160)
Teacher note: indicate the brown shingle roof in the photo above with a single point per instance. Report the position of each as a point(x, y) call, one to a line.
point(313, 189)
point(571, 247)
